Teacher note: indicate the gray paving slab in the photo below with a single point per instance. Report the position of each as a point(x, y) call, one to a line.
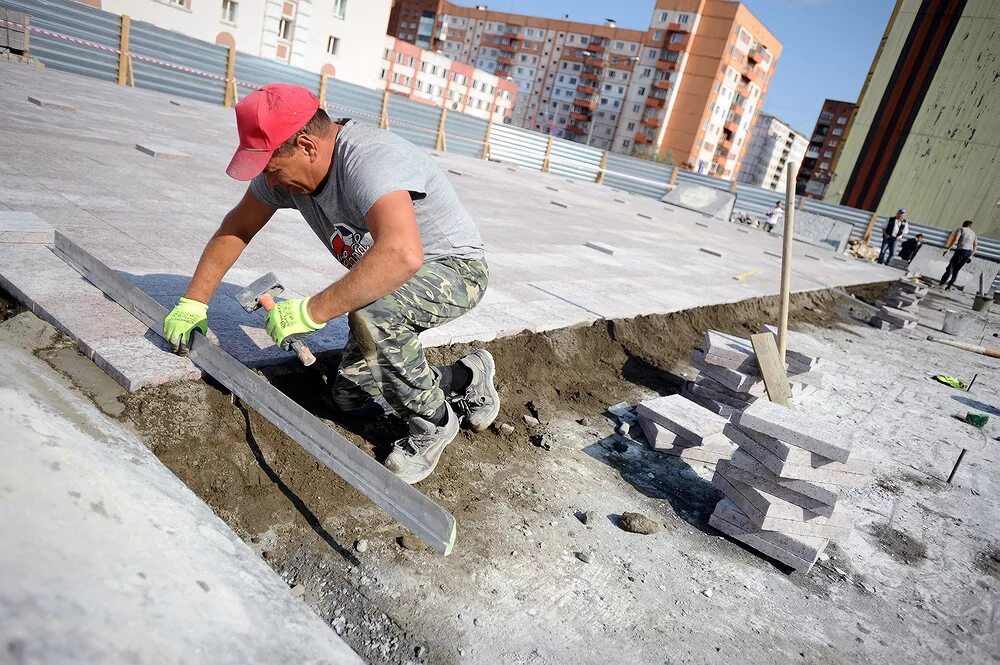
point(682, 416)
point(161, 151)
point(151, 216)
point(755, 539)
point(802, 546)
point(107, 557)
point(799, 429)
point(732, 379)
point(25, 227)
point(662, 439)
point(822, 492)
point(747, 470)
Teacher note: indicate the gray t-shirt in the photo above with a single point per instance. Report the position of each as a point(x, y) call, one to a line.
point(966, 239)
point(368, 163)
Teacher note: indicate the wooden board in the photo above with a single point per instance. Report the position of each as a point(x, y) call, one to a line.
point(429, 521)
point(765, 347)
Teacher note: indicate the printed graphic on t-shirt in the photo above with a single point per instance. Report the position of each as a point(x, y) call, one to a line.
point(349, 245)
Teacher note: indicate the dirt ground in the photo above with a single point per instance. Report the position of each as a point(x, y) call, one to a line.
point(917, 580)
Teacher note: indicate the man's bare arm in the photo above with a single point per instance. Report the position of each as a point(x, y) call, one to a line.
point(394, 257)
point(238, 227)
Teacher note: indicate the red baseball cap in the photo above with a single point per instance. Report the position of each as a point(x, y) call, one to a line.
point(265, 119)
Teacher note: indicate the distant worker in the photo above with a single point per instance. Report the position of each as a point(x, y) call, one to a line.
point(895, 229)
point(413, 254)
point(966, 244)
point(774, 216)
point(911, 247)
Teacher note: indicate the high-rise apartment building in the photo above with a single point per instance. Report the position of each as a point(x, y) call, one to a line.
point(425, 76)
point(926, 135)
point(825, 144)
point(344, 38)
point(687, 89)
point(773, 145)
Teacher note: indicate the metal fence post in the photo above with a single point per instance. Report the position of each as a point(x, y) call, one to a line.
point(440, 143)
point(486, 140)
point(124, 60)
point(600, 169)
point(548, 154)
point(230, 97)
point(323, 83)
point(868, 230)
point(383, 121)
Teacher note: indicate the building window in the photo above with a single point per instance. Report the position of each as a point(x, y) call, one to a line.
point(229, 11)
point(339, 8)
point(626, 143)
point(841, 120)
point(332, 44)
point(837, 131)
point(683, 18)
point(676, 38)
point(183, 4)
point(285, 28)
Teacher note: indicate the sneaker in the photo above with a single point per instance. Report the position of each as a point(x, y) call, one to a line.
point(480, 405)
point(412, 459)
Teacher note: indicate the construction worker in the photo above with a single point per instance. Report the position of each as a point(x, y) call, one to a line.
point(910, 248)
point(966, 244)
point(414, 255)
point(895, 229)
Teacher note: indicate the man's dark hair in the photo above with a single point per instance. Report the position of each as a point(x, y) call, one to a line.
point(318, 125)
point(967, 223)
point(920, 235)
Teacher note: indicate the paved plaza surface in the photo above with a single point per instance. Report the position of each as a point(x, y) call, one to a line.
point(137, 178)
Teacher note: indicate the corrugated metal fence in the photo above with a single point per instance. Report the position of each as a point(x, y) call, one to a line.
point(79, 39)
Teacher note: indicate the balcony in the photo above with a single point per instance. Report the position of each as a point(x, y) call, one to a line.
point(738, 110)
point(655, 102)
point(719, 159)
point(812, 154)
point(586, 90)
point(667, 65)
point(726, 144)
point(663, 84)
point(501, 72)
point(651, 121)
point(512, 35)
point(642, 138)
point(576, 129)
point(753, 74)
point(590, 104)
point(676, 27)
point(595, 47)
point(505, 61)
point(590, 76)
point(677, 46)
point(731, 127)
point(743, 90)
point(756, 56)
point(593, 62)
point(576, 115)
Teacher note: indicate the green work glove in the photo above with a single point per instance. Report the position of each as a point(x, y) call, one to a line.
point(289, 320)
point(182, 319)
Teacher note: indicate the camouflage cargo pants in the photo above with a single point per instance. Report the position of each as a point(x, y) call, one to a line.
point(384, 356)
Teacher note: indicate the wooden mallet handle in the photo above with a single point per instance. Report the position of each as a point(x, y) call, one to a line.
point(301, 350)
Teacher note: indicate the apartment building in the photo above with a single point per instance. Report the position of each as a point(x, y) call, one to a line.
point(343, 38)
point(437, 80)
point(926, 135)
point(825, 144)
point(773, 145)
point(687, 89)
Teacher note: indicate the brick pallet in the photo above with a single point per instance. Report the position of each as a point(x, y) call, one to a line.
point(783, 481)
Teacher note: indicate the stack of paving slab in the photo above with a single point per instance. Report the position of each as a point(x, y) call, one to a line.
point(783, 482)
point(900, 308)
point(677, 426)
point(729, 378)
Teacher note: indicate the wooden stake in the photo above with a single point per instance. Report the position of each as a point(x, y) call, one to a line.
point(748, 273)
point(868, 229)
point(440, 144)
point(673, 175)
point(786, 258)
point(548, 154)
point(600, 169)
point(772, 370)
point(123, 57)
point(486, 140)
point(954, 469)
point(384, 115)
point(230, 95)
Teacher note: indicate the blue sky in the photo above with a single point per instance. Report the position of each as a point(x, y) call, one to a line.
point(828, 44)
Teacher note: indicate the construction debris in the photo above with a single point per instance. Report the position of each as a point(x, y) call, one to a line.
point(783, 482)
point(900, 307)
point(861, 249)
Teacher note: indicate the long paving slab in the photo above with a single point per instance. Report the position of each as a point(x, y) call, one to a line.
point(149, 218)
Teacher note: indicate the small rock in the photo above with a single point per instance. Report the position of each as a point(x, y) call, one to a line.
point(339, 624)
point(506, 429)
point(420, 651)
point(638, 523)
point(823, 556)
point(299, 590)
point(585, 421)
point(589, 517)
point(583, 556)
point(620, 447)
point(624, 429)
point(410, 542)
point(361, 545)
point(707, 593)
point(531, 421)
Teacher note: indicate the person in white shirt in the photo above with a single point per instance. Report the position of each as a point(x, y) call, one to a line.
point(895, 229)
point(774, 216)
point(966, 243)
